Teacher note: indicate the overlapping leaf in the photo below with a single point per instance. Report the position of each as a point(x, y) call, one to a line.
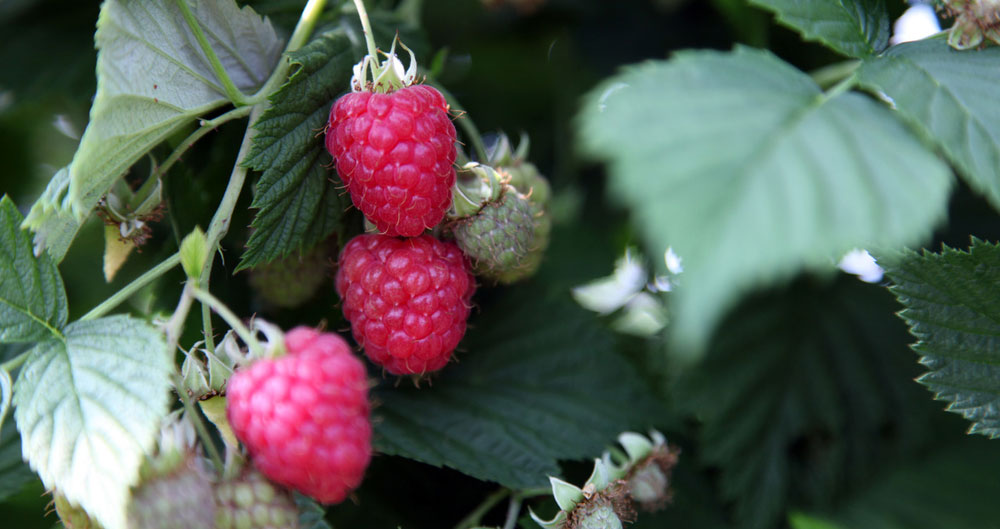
point(952, 302)
point(88, 408)
point(856, 28)
point(297, 199)
point(538, 382)
point(152, 79)
point(950, 97)
point(738, 162)
point(32, 297)
point(797, 394)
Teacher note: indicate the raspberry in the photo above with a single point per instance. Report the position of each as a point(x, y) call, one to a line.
point(395, 153)
point(178, 500)
point(304, 417)
point(506, 238)
point(250, 501)
point(407, 299)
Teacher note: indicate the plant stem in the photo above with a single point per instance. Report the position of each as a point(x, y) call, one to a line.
point(828, 76)
point(513, 509)
point(133, 287)
point(844, 85)
point(476, 516)
point(232, 92)
point(366, 26)
point(206, 127)
point(463, 121)
point(15, 362)
point(232, 319)
point(303, 29)
point(199, 425)
point(219, 226)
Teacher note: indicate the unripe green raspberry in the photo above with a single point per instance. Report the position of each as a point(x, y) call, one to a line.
point(294, 280)
point(250, 501)
point(179, 500)
point(600, 517)
point(506, 238)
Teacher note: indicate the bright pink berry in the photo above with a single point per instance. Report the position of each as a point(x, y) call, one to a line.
point(407, 299)
point(304, 416)
point(395, 153)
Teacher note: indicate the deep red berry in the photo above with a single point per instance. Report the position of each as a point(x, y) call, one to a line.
point(304, 417)
point(407, 299)
point(395, 153)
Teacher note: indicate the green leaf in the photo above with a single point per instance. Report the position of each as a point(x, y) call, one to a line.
point(311, 514)
point(952, 302)
point(856, 28)
point(14, 473)
point(955, 486)
point(32, 297)
point(298, 202)
point(89, 408)
point(738, 162)
point(539, 382)
point(950, 97)
point(52, 219)
point(797, 393)
point(153, 78)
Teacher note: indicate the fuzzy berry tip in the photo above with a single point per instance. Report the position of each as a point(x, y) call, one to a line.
point(408, 300)
point(395, 153)
point(304, 417)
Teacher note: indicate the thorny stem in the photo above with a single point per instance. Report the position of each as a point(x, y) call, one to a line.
point(168, 264)
point(367, 27)
point(232, 92)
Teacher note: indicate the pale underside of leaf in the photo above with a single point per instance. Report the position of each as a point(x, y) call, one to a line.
point(951, 98)
point(153, 78)
point(32, 297)
point(856, 28)
point(518, 400)
point(953, 307)
point(89, 407)
point(738, 162)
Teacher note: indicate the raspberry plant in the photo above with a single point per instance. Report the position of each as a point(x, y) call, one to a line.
point(293, 272)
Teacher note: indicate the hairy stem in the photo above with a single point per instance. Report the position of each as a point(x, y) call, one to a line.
point(475, 517)
point(118, 297)
point(232, 92)
point(199, 425)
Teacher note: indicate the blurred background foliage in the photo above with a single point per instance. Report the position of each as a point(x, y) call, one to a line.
point(804, 413)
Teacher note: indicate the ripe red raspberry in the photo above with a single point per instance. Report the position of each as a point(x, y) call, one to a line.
point(407, 299)
point(304, 417)
point(395, 153)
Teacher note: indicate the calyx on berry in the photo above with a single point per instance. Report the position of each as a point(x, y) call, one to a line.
point(386, 76)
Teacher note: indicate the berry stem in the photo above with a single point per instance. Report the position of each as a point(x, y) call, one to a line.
point(152, 274)
point(513, 509)
point(207, 299)
point(366, 26)
point(232, 92)
point(475, 517)
point(199, 425)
